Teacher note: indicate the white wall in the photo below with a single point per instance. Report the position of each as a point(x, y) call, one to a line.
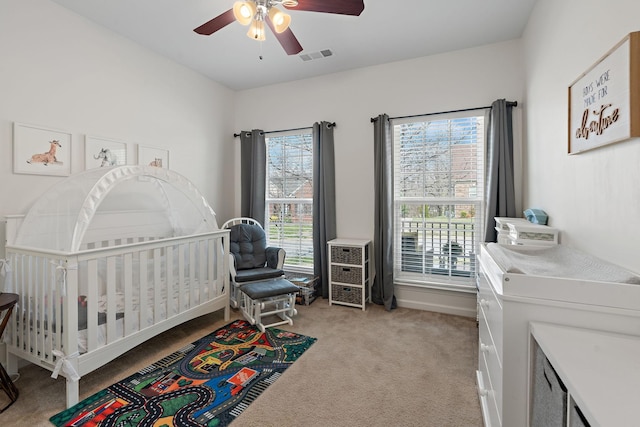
point(462, 79)
point(592, 197)
point(61, 71)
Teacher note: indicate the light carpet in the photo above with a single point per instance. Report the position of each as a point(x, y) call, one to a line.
point(374, 368)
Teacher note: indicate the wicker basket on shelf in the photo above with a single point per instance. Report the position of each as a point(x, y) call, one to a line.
point(342, 274)
point(348, 294)
point(344, 255)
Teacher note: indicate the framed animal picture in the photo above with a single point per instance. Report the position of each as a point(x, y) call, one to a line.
point(150, 156)
point(39, 150)
point(103, 152)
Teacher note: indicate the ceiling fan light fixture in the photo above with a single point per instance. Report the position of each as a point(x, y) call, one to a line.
point(279, 19)
point(255, 13)
point(244, 11)
point(256, 31)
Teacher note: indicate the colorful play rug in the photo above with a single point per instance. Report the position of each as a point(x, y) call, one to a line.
point(207, 383)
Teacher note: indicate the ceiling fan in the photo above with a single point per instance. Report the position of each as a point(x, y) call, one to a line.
point(256, 13)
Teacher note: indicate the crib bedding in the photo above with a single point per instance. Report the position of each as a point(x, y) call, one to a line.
point(102, 277)
point(120, 305)
point(150, 318)
point(151, 315)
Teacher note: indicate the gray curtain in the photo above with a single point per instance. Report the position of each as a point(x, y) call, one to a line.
point(500, 186)
point(383, 288)
point(324, 200)
point(253, 174)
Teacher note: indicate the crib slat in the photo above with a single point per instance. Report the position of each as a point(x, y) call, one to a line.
point(58, 281)
point(48, 304)
point(111, 299)
point(157, 289)
point(181, 285)
point(201, 255)
point(42, 325)
point(20, 282)
point(55, 280)
point(67, 295)
point(127, 272)
point(192, 274)
point(32, 321)
point(143, 289)
point(92, 305)
point(32, 276)
point(39, 300)
point(170, 279)
point(36, 310)
point(211, 257)
point(47, 311)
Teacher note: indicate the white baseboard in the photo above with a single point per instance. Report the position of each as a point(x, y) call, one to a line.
point(438, 308)
point(437, 300)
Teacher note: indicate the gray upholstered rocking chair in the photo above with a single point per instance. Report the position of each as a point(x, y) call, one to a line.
point(251, 259)
point(257, 277)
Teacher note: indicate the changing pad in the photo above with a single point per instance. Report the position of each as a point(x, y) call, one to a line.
point(558, 261)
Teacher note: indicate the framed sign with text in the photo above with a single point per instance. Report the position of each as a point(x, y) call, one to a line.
point(604, 102)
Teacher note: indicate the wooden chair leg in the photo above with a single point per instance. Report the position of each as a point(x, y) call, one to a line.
point(8, 387)
point(7, 302)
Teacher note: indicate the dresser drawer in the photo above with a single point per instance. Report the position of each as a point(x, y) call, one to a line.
point(490, 411)
point(490, 308)
point(346, 255)
point(349, 294)
point(492, 360)
point(346, 274)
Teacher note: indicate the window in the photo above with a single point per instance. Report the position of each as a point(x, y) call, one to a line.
point(438, 199)
point(289, 197)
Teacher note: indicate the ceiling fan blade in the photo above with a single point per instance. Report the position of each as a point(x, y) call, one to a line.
point(287, 39)
point(216, 23)
point(342, 7)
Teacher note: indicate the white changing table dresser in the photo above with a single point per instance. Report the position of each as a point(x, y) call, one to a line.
point(509, 302)
point(600, 370)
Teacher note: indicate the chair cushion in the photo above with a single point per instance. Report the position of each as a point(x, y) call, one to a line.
point(262, 273)
point(269, 288)
point(248, 242)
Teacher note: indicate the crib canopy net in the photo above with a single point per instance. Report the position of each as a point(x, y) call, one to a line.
point(119, 202)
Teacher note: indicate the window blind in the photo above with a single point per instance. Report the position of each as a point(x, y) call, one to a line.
point(438, 198)
point(289, 196)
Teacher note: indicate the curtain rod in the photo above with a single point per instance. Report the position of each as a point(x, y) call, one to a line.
point(235, 135)
point(509, 104)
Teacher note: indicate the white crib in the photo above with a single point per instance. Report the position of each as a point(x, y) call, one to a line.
point(128, 274)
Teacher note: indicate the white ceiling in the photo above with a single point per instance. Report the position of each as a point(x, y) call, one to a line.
point(386, 31)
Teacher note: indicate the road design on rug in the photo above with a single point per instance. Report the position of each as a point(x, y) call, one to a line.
point(207, 383)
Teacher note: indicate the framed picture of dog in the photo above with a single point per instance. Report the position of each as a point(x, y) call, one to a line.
point(39, 150)
point(103, 152)
point(151, 156)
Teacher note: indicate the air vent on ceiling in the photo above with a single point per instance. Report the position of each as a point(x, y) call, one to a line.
point(316, 55)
